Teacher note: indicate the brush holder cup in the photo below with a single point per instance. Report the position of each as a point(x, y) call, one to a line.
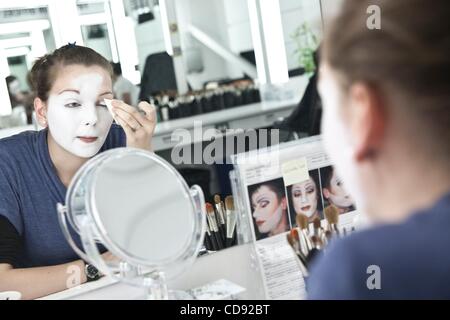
point(135, 205)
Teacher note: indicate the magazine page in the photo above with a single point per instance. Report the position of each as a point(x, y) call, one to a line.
point(277, 184)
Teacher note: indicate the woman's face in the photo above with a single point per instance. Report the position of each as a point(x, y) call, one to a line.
point(267, 209)
point(336, 194)
point(77, 116)
point(304, 197)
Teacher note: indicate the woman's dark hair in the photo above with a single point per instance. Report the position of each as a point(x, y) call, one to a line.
point(325, 176)
point(45, 69)
point(277, 186)
point(314, 174)
point(407, 59)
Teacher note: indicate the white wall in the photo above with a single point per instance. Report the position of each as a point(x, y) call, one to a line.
point(228, 21)
point(294, 14)
point(208, 16)
point(149, 38)
point(330, 9)
point(101, 45)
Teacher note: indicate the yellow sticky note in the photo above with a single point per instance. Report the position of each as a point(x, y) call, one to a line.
point(295, 171)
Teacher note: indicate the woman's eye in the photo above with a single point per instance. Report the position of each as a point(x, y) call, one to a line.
point(72, 105)
point(310, 190)
point(264, 204)
point(101, 105)
point(297, 194)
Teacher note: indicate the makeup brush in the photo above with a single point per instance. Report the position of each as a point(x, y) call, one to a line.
point(326, 238)
point(212, 238)
point(231, 218)
point(317, 227)
point(302, 223)
point(225, 218)
point(208, 243)
point(213, 225)
point(302, 247)
point(220, 216)
point(292, 239)
point(332, 216)
point(316, 239)
point(316, 242)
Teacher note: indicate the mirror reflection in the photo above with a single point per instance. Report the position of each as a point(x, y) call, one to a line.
point(139, 218)
point(185, 79)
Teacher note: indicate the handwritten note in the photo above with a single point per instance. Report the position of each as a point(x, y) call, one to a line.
point(295, 171)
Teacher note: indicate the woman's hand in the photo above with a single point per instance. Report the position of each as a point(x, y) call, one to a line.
point(138, 127)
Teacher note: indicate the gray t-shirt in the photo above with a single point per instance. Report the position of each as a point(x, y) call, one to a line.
point(29, 192)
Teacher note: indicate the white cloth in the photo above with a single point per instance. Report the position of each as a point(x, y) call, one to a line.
point(123, 85)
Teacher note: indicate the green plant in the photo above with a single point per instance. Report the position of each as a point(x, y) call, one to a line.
point(306, 42)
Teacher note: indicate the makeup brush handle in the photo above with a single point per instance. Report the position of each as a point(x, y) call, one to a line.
point(302, 264)
point(214, 243)
point(208, 245)
point(223, 232)
point(335, 229)
point(303, 246)
point(218, 239)
point(308, 242)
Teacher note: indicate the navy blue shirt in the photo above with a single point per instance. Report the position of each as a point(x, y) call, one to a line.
point(413, 260)
point(29, 191)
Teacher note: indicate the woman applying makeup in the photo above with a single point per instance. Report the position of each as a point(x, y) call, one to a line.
point(304, 198)
point(36, 167)
point(269, 208)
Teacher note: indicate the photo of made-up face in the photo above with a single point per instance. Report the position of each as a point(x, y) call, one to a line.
point(304, 198)
point(269, 208)
point(78, 118)
point(334, 192)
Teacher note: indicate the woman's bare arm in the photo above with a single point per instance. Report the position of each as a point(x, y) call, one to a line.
point(37, 282)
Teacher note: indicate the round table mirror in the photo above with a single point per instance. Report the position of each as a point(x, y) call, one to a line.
point(135, 205)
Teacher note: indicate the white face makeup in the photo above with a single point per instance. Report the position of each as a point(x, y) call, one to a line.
point(267, 209)
point(338, 195)
point(304, 197)
point(336, 136)
point(77, 115)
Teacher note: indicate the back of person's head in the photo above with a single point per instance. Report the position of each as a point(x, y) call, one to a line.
point(407, 60)
point(46, 68)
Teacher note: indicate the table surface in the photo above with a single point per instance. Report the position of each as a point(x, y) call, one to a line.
point(206, 269)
